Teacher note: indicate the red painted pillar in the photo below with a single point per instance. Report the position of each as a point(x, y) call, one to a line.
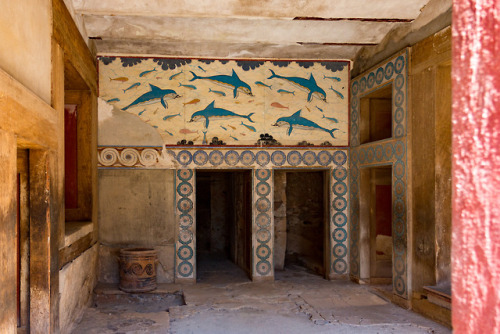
point(476, 166)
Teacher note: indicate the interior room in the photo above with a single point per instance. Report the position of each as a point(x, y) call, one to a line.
point(321, 165)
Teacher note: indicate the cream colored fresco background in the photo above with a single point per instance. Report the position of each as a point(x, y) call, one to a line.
point(174, 123)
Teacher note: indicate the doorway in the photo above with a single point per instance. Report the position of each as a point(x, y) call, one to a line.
point(223, 225)
point(299, 217)
point(376, 224)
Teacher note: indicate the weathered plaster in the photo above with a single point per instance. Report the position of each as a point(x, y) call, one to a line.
point(274, 8)
point(476, 167)
point(76, 284)
point(25, 32)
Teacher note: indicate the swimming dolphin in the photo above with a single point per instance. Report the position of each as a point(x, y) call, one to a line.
point(211, 111)
point(300, 122)
point(154, 95)
point(229, 81)
point(307, 84)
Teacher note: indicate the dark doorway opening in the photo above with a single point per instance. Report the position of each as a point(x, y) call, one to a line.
point(299, 218)
point(376, 215)
point(223, 225)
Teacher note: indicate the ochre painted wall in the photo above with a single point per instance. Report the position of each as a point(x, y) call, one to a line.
point(476, 167)
point(25, 31)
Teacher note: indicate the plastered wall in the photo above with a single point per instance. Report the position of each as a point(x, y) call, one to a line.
point(25, 32)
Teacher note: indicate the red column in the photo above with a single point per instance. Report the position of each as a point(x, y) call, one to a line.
point(476, 166)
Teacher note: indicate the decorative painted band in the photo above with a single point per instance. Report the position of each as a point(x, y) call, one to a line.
point(196, 157)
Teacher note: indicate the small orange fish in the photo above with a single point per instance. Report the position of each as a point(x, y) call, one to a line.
point(308, 109)
point(192, 101)
point(232, 127)
point(241, 133)
point(250, 101)
point(278, 105)
point(196, 138)
point(122, 79)
point(186, 131)
point(158, 78)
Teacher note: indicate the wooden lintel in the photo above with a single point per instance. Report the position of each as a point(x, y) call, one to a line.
point(71, 41)
point(68, 254)
point(30, 118)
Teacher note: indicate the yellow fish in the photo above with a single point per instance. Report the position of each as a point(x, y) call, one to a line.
point(192, 101)
point(122, 79)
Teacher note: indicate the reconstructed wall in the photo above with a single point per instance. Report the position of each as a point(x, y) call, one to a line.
point(235, 101)
point(76, 283)
point(476, 167)
point(25, 32)
point(136, 209)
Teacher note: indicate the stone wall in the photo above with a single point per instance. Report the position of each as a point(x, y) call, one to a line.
point(136, 209)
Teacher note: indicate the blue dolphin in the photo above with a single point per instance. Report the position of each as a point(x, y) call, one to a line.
point(211, 111)
point(300, 122)
point(154, 95)
point(229, 81)
point(307, 84)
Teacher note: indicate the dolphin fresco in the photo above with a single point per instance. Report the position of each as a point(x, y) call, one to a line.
point(309, 85)
point(212, 111)
point(154, 95)
point(300, 122)
point(228, 81)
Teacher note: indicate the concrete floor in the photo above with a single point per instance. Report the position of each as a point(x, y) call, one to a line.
point(225, 301)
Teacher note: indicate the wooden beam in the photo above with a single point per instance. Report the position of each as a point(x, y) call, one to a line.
point(40, 221)
point(75, 49)
point(26, 115)
point(8, 318)
point(68, 254)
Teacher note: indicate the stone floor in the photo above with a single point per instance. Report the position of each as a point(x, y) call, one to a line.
point(224, 300)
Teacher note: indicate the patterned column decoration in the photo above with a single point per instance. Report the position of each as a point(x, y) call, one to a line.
point(263, 226)
point(387, 152)
point(185, 246)
point(399, 220)
point(338, 220)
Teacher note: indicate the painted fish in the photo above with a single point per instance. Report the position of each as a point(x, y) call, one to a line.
point(278, 105)
point(113, 100)
point(298, 121)
point(201, 68)
point(170, 116)
point(174, 75)
point(333, 78)
point(308, 109)
point(137, 84)
point(229, 81)
point(331, 119)
point(186, 131)
point(155, 126)
point(204, 142)
point(223, 128)
point(282, 91)
point(241, 133)
point(194, 101)
point(147, 72)
point(216, 92)
point(196, 138)
point(122, 79)
point(158, 78)
point(249, 127)
point(168, 132)
point(212, 111)
point(187, 86)
point(142, 112)
point(309, 85)
point(338, 93)
point(154, 95)
point(319, 108)
point(234, 138)
point(232, 127)
point(260, 83)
